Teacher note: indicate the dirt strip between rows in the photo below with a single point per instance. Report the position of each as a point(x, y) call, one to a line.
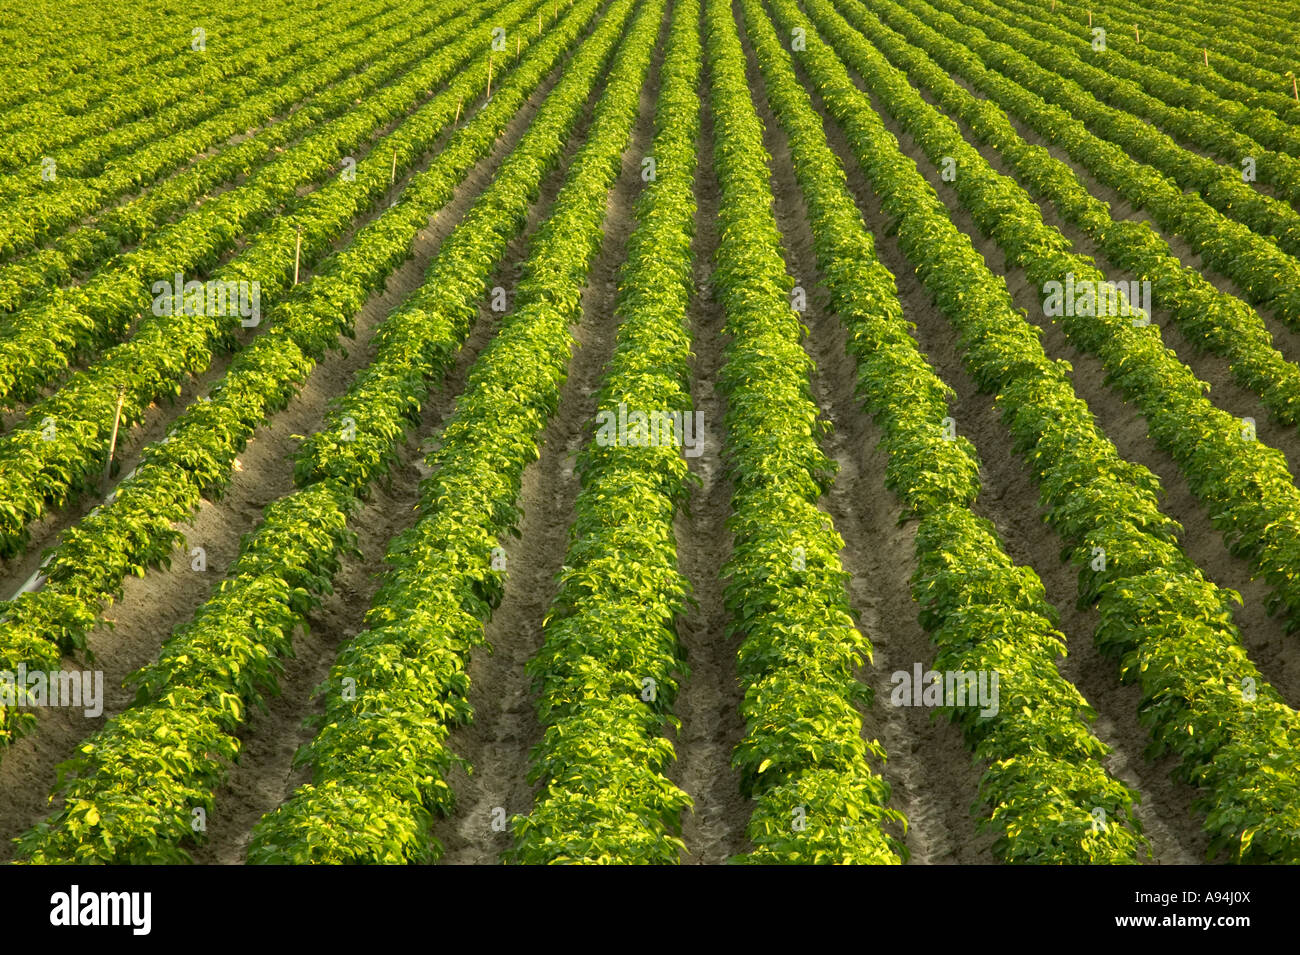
point(505, 728)
point(154, 605)
point(709, 702)
point(1166, 808)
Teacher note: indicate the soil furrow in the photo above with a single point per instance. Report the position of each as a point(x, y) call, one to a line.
point(935, 783)
point(151, 607)
point(505, 728)
point(709, 702)
point(1165, 811)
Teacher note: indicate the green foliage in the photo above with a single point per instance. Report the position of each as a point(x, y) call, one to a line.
point(800, 650)
point(1171, 628)
point(135, 530)
point(229, 655)
point(984, 613)
point(409, 665)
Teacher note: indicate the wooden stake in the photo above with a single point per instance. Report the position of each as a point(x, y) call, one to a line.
point(1294, 92)
point(297, 256)
point(489, 88)
point(1053, 6)
point(539, 22)
point(392, 179)
point(1089, 19)
point(1207, 56)
point(112, 444)
point(460, 102)
point(1136, 35)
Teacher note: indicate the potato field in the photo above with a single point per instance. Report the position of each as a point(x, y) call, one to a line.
point(650, 431)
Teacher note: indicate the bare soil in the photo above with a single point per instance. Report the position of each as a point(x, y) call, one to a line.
point(709, 702)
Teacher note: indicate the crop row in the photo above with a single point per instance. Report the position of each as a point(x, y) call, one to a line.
point(125, 225)
point(1256, 37)
point(1245, 485)
point(125, 50)
point(380, 756)
point(41, 343)
point(1211, 319)
point(53, 453)
point(1169, 627)
point(81, 188)
point(1265, 274)
point(123, 119)
point(1086, 90)
point(803, 759)
point(1223, 126)
point(135, 530)
point(1045, 779)
point(610, 663)
point(1262, 28)
point(121, 806)
point(31, 189)
point(134, 789)
point(1234, 71)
